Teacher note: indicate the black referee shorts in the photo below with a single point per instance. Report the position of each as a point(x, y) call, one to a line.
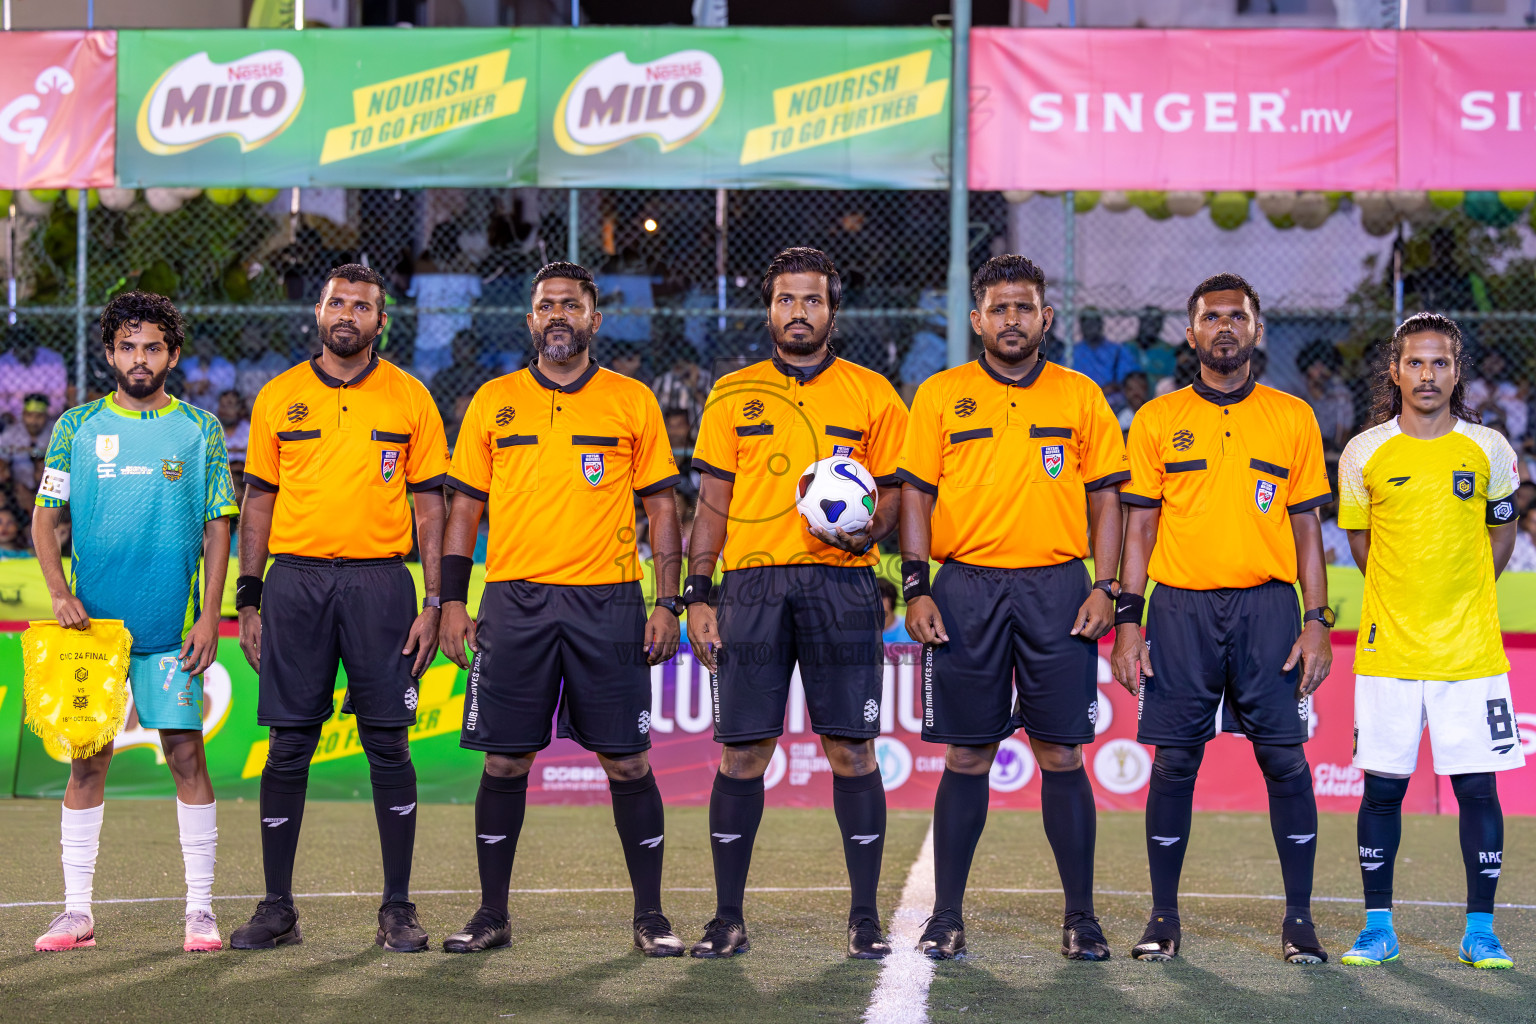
point(547, 651)
point(1208, 645)
point(825, 617)
point(318, 614)
point(1010, 630)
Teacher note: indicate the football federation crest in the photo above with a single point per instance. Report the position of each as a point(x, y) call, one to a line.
point(505, 415)
point(592, 468)
point(1264, 495)
point(1463, 483)
point(297, 411)
point(752, 410)
point(106, 447)
point(842, 450)
point(1051, 459)
point(1183, 440)
point(171, 469)
point(389, 460)
point(965, 407)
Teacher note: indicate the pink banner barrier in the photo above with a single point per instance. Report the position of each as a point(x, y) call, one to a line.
point(1060, 109)
point(685, 757)
point(58, 109)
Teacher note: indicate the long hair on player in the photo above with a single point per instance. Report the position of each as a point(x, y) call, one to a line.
point(1387, 396)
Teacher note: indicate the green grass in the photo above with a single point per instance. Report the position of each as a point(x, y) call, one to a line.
point(572, 958)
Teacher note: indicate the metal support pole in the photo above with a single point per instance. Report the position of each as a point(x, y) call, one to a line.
point(1397, 278)
point(10, 228)
point(720, 228)
point(1068, 275)
point(573, 212)
point(82, 261)
point(958, 324)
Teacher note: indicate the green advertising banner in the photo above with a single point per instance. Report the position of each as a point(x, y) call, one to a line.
point(10, 709)
point(352, 107)
point(744, 108)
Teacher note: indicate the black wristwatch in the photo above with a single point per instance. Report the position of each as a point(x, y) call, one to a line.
point(431, 602)
point(1111, 588)
point(1324, 615)
point(672, 604)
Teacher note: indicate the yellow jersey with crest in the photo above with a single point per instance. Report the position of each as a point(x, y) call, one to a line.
point(1431, 610)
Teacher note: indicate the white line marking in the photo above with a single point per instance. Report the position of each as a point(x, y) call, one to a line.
point(901, 996)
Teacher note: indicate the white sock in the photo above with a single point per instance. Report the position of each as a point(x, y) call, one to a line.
point(80, 837)
point(199, 837)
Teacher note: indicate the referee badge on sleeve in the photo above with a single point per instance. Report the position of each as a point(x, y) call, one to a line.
point(1463, 483)
point(1051, 459)
point(389, 459)
point(1264, 495)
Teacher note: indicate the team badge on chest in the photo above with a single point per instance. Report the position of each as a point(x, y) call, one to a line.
point(1264, 495)
point(1051, 457)
point(1463, 483)
point(592, 468)
point(389, 461)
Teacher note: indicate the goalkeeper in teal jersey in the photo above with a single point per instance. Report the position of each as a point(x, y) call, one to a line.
point(146, 480)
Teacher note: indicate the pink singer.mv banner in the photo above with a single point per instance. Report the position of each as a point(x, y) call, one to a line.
point(1142, 109)
point(58, 109)
point(1468, 110)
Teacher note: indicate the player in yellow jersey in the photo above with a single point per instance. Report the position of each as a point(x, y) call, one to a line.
point(1426, 495)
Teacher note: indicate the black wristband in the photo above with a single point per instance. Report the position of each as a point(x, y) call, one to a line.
point(248, 592)
point(914, 579)
point(1128, 608)
point(455, 585)
point(696, 590)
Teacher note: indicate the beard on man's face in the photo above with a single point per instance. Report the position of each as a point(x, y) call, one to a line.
point(345, 340)
point(140, 387)
point(807, 346)
point(1230, 363)
point(1014, 345)
point(561, 342)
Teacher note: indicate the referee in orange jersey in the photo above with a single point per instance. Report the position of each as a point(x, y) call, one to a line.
point(341, 446)
point(1226, 479)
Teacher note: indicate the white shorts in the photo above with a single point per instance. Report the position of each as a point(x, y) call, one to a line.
point(1471, 725)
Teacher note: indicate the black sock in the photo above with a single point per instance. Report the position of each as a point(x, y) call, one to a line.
point(959, 816)
point(638, 815)
point(859, 804)
point(1482, 837)
point(1170, 805)
point(1379, 831)
point(499, 808)
point(1071, 825)
point(282, 812)
point(394, 808)
point(735, 811)
point(1293, 822)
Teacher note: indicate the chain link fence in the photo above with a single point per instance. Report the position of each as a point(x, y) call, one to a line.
point(679, 272)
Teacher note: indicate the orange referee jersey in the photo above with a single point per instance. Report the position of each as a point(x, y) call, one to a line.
point(767, 423)
point(558, 466)
point(341, 455)
point(1010, 462)
point(1228, 471)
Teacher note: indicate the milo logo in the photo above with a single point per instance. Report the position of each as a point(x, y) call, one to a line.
point(252, 99)
point(672, 99)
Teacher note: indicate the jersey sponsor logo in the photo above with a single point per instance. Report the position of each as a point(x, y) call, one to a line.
point(1184, 440)
point(1264, 495)
point(172, 469)
point(137, 471)
point(55, 484)
point(965, 407)
point(106, 471)
point(592, 468)
point(752, 410)
point(389, 459)
point(1398, 481)
point(505, 415)
point(1051, 457)
point(1463, 483)
point(1503, 512)
point(107, 447)
point(297, 411)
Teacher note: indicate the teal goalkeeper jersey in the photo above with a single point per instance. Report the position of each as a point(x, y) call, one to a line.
point(139, 486)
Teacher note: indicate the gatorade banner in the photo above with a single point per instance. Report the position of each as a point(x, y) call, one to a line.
point(685, 756)
point(744, 108)
point(1141, 109)
point(57, 103)
point(359, 108)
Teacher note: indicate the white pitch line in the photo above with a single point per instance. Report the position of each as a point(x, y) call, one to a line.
point(901, 995)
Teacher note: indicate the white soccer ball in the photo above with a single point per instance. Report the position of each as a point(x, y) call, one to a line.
point(837, 494)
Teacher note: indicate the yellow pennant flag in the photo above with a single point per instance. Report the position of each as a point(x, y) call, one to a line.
point(75, 684)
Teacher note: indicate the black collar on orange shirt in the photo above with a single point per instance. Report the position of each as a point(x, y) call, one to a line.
point(1215, 397)
point(337, 382)
point(1023, 382)
point(804, 374)
point(565, 389)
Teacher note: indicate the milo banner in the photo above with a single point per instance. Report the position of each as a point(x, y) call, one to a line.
point(359, 108)
point(744, 108)
point(685, 756)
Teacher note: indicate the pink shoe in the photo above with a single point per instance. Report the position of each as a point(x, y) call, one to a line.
point(70, 930)
point(202, 933)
